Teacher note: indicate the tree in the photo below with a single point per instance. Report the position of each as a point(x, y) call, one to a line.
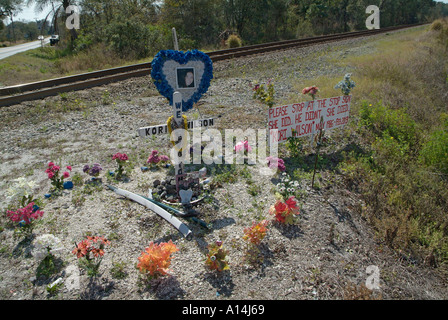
point(57, 6)
point(10, 8)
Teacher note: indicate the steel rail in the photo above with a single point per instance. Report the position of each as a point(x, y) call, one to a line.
point(40, 89)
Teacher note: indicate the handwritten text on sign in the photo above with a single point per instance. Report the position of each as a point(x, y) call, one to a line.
point(304, 118)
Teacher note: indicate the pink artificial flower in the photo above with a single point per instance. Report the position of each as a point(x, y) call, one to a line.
point(154, 158)
point(120, 156)
point(69, 168)
point(310, 90)
point(66, 175)
point(50, 175)
point(55, 168)
point(243, 146)
point(26, 214)
point(116, 156)
point(164, 158)
point(50, 164)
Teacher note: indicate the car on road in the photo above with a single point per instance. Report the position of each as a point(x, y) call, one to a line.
point(54, 39)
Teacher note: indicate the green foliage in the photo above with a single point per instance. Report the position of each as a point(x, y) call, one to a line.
point(234, 41)
point(128, 37)
point(389, 124)
point(294, 145)
point(434, 152)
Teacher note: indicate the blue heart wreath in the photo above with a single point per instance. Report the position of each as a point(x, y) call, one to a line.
point(181, 58)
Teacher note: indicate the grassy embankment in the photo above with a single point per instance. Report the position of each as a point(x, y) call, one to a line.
point(399, 161)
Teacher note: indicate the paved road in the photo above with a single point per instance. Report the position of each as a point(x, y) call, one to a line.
point(9, 51)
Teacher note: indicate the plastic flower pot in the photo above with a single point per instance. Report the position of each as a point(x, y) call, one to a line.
point(47, 195)
point(68, 185)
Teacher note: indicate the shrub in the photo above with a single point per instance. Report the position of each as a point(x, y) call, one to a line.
point(436, 25)
point(435, 151)
point(386, 122)
point(234, 41)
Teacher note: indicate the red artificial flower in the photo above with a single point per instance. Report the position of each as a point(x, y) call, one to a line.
point(291, 203)
point(69, 168)
point(66, 174)
point(81, 249)
point(280, 206)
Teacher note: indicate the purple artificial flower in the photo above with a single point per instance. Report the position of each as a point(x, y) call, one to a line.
point(276, 163)
point(95, 170)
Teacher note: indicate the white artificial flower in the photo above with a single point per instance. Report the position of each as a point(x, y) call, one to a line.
point(22, 188)
point(45, 245)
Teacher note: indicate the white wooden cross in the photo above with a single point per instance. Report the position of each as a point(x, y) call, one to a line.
point(179, 123)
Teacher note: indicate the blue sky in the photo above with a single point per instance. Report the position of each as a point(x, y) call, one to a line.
point(29, 14)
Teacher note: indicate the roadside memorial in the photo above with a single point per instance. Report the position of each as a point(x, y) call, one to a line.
point(182, 78)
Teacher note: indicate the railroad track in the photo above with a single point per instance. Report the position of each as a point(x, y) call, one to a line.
point(37, 90)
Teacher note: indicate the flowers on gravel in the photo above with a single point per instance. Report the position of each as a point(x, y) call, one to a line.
point(53, 172)
point(21, 191)
point(264, 94)
point(46, 245)
point(121, 159)
point(25, 216)
point(93, 170)
point(243, 146)
point(256, 233)
point(287, 187)
point(312, 91)
point(216, 257)
point(90, 252)
point(91, 245)
point(285, 211)
point(276, 163)
point(346, 85)
point(156, 258)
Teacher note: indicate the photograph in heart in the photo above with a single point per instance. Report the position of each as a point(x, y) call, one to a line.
point(188, 72)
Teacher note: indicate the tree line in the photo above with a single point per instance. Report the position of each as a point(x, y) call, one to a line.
point(139, 28)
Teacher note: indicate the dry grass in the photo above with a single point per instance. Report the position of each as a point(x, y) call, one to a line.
point(406, 200)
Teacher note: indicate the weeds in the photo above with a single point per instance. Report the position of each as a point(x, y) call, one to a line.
point(402, 174)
